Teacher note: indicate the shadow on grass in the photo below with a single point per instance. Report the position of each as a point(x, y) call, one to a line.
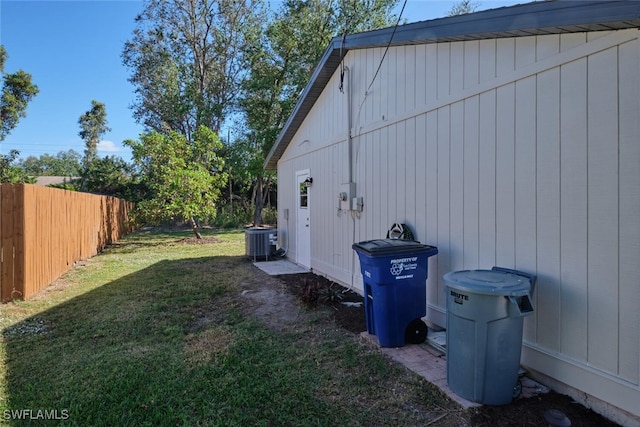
point(130, 352)
point(172, 344)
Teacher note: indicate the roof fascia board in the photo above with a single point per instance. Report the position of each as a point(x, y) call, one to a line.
point(549, 17)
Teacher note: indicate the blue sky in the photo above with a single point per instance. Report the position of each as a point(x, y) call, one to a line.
point(72, 50)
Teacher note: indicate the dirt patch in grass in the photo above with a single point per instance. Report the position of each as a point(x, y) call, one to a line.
point(201, 347)
point(271, 301)
point(346, 306)
point(316, 291)
point(385, 393)
point(195, 241)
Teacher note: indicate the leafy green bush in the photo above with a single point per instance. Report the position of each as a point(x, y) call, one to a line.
point(232, 219)
point(270, 216)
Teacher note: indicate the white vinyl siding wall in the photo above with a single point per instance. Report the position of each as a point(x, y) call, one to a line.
point(523, 153)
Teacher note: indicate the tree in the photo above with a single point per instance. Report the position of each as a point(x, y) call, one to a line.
point(245, 158)
point(10, 173)
point(184, 178)
point(17, 92)
point(93, 125)
point(109, 176)
point(187, 59)
point(463, 7)
point(65, 163)
point(283, 61)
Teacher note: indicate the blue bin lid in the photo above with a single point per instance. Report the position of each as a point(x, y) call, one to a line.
point(488, 282)
point(382, 247)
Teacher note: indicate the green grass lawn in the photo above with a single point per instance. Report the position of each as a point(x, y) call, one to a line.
point(155, 332)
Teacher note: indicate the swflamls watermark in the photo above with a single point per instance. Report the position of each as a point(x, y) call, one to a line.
point(36, 414)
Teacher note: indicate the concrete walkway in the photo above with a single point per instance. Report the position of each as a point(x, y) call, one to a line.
point(431, 364)
point(424, 360)
point(279, 267)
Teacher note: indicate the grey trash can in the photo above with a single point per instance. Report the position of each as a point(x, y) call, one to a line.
point(485, 311)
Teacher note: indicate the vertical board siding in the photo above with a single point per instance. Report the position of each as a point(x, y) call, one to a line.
point(547, 47)
point(431, 76)
point(486, 65)
point(386, 173)
point(487, 209)
point(442, 61)
point(471, 64)
point(44, 231)
point(374, 106)
point(456, 68)
point(525, 51)
point(523, 236)
point(602, 206)
point(464, 128)
point(569, 41)
point(442, 207)
point(366, 153)
point(413, 186)
point(409, 58)
point(505, 56)
point(471, 202)
point(455, 194)
point(573, 208)
point(525, 175)
point(419, 202)
point(377, 204)
point(391, 182)
point(629, 228)
point(401, 190)
point(538, 172)
point(421, 76)
point(505, 175)
point(547, 207)
point(434, 281)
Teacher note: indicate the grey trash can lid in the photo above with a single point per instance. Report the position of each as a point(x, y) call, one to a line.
point(488, 282)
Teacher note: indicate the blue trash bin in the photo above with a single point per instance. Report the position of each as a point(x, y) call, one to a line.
point(394, 272)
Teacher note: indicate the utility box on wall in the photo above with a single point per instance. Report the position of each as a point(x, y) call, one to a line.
point(345, 196)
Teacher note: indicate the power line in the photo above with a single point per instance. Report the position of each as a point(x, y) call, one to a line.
point(395, 27)
point(366, 93)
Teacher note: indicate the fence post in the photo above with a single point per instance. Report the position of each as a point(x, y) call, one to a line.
point(8, 240)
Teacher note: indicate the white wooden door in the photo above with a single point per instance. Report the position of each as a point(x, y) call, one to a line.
point(303, 215)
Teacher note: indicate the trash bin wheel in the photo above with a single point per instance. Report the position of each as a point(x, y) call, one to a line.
point(416, 332)
point(517, 389)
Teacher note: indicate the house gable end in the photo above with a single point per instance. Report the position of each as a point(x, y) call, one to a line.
point(549, 17)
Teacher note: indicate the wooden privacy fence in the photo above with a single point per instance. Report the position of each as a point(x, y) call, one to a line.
point(44, 231)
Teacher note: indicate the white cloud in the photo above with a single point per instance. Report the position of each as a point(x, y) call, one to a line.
point(108, 146)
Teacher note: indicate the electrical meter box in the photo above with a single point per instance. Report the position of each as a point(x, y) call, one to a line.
point(345, 196)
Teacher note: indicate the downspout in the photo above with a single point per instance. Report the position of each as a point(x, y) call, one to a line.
point(349, 119)
point(347, 78)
